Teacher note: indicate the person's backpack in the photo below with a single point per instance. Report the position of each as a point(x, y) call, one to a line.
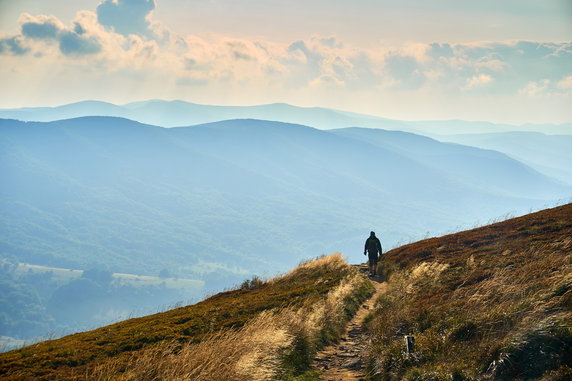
point(371, 245)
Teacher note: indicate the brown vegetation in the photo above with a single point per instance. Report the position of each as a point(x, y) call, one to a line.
point(489, 303)
point(267, 329)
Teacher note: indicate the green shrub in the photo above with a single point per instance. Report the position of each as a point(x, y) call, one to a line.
point(546, 347)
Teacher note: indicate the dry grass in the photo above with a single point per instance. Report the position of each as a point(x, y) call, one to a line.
point(251, 352)
point(276, 344)
point(268, 330)
point(490, 303)
point(326, 262)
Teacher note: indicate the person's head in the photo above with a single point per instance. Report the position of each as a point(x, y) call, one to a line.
point(372, 234)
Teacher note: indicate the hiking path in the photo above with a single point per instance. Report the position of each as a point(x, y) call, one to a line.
point(343, 361)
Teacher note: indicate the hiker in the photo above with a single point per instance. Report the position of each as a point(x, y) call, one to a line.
point(373, 248)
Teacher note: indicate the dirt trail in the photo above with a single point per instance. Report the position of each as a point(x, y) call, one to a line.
point(342, 362)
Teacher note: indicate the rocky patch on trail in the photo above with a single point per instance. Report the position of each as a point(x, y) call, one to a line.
point(343, 361)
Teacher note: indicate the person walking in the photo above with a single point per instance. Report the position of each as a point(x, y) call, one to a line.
point(373, 249)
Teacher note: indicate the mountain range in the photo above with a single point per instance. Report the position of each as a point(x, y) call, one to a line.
point(180, 113)
point(222, 201)
point(238, 195)
point(549, 154)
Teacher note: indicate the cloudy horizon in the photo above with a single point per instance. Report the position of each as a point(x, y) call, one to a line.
point(455, 60)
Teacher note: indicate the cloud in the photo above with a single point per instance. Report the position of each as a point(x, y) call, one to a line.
point(126, 16)
point(565, 83)
point(121, 37)
point(526, 58)
point(533, 89)
point(405, 70)
point(74, 41)
point(546, 87)
point(438, 51)
point(478, 81)
point(516, 67)
point(240, 50)
point(320, 61)
point(13, 45)
point(331, 42)
point(42, 27)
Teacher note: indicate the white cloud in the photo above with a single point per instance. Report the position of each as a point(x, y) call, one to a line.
point(13, 45)
point(536, 88)
point(565, 83)
point(98, 43)
point(42, 27)
point(122, 34)
point(492, 65)
point(73, 41)
point(477, 81)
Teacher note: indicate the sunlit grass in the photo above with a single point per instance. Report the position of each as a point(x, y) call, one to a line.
point(276, 344)
point(490, 303)
point(264, 329)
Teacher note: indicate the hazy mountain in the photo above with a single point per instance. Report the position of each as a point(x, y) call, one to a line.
point(180, 113)
point(452, 127)
point(549, 154)
point(486, 170)
point(246, 194)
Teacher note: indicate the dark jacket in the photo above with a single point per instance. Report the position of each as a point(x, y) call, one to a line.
point(372, 246)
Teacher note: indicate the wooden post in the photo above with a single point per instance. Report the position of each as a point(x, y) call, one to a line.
point(409, 344)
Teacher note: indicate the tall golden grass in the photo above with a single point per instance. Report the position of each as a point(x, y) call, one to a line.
point(484, 306)
point(251, 352)
point(276, 344)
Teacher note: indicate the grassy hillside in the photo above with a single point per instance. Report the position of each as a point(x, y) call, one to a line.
point(488, 303)
point(278, 323)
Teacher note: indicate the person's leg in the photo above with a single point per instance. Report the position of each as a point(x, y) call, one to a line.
point(372, 264)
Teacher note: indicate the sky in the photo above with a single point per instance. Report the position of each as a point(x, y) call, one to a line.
point(502, 61)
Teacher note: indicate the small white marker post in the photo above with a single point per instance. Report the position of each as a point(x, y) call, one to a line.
point(409, 344)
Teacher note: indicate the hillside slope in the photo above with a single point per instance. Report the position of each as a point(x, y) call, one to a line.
point(281, 322)
point(489, 303)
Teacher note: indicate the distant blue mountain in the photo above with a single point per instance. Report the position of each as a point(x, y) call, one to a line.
point(548, 154)
point(239, 194)
point(487, 170)
point(180, 113)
